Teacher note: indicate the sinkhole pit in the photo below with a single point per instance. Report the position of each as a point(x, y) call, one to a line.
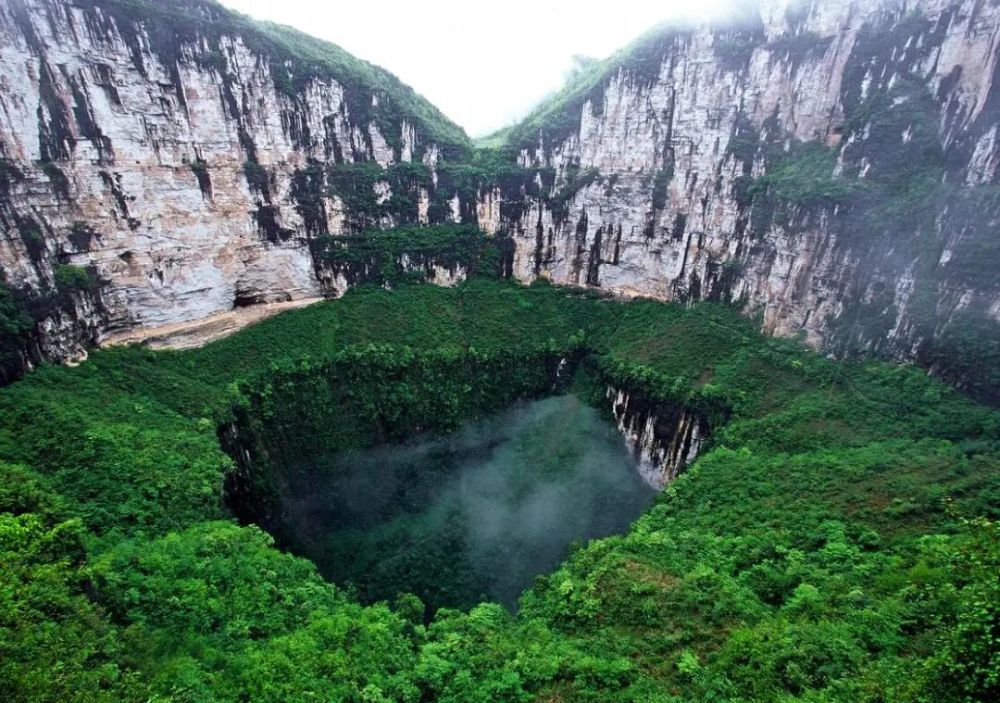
point(458, 518)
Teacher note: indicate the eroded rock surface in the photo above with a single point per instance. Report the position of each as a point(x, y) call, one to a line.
point(832, 165)
point(167, 161)
point(659, 174)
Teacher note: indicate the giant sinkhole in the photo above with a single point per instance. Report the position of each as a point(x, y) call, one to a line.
point(456, 477)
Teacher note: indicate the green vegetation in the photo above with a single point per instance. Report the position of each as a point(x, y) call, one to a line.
point(908, 201)
point(389, 257)
point(488, 167)
point(70, 278)
point(799, 46)
point(15, 324)
point(836, 541)
point(805, 176)
point(473, 515)
point(906, 162)
point(968, 351)
point(23, 310)
point(355, 184)
point(374, 196)
point(573, 182)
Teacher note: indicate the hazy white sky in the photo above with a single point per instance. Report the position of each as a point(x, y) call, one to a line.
point(483, 64)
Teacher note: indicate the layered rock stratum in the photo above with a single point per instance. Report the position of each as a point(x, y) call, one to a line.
point(831, 166)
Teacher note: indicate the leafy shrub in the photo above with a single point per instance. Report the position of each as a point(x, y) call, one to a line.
point(780, 565)
point(805, 176)
point(71, 278)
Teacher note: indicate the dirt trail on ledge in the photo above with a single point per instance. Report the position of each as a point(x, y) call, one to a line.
point(196, 333)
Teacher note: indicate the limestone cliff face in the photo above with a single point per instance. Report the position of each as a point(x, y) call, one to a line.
point(831, 164)
point(663, 437)
point(168, 157)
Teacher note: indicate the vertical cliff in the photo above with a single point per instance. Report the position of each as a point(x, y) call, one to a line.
point(830, 165)
point(663, 437)
point(163, 162)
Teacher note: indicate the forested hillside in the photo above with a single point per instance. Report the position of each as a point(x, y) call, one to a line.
point(829, 166)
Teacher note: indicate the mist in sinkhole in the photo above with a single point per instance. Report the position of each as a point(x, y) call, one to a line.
point(473, 515)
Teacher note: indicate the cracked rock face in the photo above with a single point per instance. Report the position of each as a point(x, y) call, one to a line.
point(188, 174)
point(657, 160)
point(663, 440)
point(167, 174)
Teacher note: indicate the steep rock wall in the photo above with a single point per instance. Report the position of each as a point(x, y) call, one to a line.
point(664, 438)
point(831, 164)
point(174, 165)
